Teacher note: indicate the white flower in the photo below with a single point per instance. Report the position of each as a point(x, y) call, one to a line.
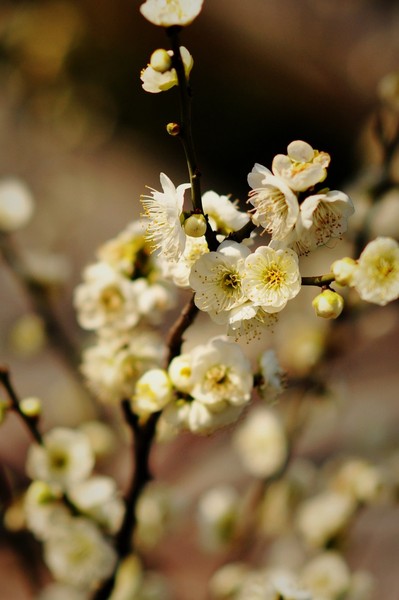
point(271, 277)
point(343, 270)
point(152, 392)
point(77, 554)
point(223, 214)
point(98, 499)
point(358, 478)
point(302, 167)
point(180, 372)
point(376, 277)
point(43, 509)
point(153, 298)
point(220, 373)
point(180, 271)
point(257, 585)
point(206, 418)
point(288, 587)
point(167, 13)
point(261, 443)
point(112, 366)
point(155, 81)
point(322, 517)
point(322, 217)
point(16, 204)
point(217, 516)
point(128, 252)
point(217, 278)
point(271, 373)
point(276, 205)
point(65, 457)
point(227, 580)
point(164, 209)
point(157, 509)
point(327, 576)
point(105, 299)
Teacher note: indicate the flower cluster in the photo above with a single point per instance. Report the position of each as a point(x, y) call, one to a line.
point(287, 206)
point(202, 390)
point(242, 268)
point(122, 295)
point(74, 532)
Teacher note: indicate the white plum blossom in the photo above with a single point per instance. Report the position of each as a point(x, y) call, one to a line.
point(155, 81)
point(78, 554)
point(153, 391)
point(227, 580)
point(272, 375)
point(288, 586)
point(98, 499)
point(128, 252)
point(43, 508)
point(276, 205)
point(320, 518)
point(202, 418)
point(217, 278)
point(343, 270)
point(180, 271)
point(166, 13)
point(217, 376)
point(302, 167)
point(223, 214)
point(164, 211)
point(271, 278)
point(65, 457)
point(376, 277)
point(327, 576)
point(180, 372)
point(154, 298)
point(358, 478)
point(261, 443)
point(220, 373)
point(112, 366)
point(105, 299)
point(217, 515)
point(322, 217)
point(16, 204)
point(157, 509)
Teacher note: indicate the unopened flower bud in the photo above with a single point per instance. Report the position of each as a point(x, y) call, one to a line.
point(328, 304)
point(173, 129)
point(343, 269)
point(195, 225)
point(31, 407)
point(16, 204)
point(160, 60)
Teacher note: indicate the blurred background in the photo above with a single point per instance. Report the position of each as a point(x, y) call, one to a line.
point(78, 129)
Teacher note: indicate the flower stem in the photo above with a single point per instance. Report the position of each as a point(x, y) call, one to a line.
point(144, 436)
point(319, 280)
point(30, 423)
point(185, 131)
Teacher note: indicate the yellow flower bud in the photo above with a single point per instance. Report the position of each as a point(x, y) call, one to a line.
point(343, 269)
point(173, 129)
point(160, 60)
point(328, 304)
point(195, 225)
point(31, 407)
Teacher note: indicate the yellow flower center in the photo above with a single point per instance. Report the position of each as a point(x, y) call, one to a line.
point(274, 276)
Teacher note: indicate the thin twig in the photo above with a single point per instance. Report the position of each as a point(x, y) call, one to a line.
point(31, 423)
